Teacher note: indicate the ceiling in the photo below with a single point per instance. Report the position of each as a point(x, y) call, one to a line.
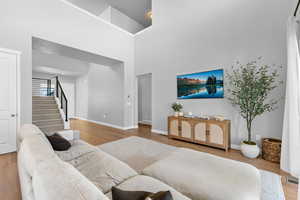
point(48, 47)
point(135, 9)
point(57, 65)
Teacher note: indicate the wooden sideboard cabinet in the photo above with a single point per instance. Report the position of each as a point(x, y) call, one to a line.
point(207, 132)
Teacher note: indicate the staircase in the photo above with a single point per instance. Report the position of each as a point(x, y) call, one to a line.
point(45, 114)
point(45, 111)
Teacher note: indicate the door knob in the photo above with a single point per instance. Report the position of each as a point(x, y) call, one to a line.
point(13, 115)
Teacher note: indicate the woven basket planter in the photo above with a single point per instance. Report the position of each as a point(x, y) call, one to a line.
point(271, 149)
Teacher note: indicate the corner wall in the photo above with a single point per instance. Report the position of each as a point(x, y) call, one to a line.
point(194, 36)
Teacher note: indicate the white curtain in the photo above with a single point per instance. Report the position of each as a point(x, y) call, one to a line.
point(290, 150)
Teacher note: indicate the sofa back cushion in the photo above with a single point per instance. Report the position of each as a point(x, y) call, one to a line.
point(61, 181)
point(29, 130)
point(33, 151)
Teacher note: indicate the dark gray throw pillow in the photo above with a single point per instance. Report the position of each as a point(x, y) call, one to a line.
point(59, 143)
point(163, 195)
point(118, 194)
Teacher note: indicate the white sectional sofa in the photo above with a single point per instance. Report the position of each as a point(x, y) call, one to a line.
point(85, 172)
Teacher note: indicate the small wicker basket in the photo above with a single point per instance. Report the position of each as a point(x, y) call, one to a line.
point(271, 149)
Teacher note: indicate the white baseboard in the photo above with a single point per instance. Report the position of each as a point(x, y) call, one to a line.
point(146, 122)
point(130, 127)
point(235, 146)
point(159, 131)
point(107, 124)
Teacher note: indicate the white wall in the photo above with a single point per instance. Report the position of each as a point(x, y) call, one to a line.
point(192, 36)
point(82, 97)
point(105, 94)
point(57, 21)
point(106, 14)
point(145, 98)
point(69, 86)
point(125, 22)
point(99, 94)
point(94, 6)
point(121, 20)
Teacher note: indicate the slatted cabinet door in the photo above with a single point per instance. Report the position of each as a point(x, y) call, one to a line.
point(186, 129)
point(173, 126)
point(200, 132)
point(216, 135)
point(219, 134)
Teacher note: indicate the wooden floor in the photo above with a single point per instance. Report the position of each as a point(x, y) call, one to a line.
point(96, 134)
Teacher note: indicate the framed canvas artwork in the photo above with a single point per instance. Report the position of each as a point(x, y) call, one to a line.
point(208, 84)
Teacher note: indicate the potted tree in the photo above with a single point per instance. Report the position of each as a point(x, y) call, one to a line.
point(177, 107)
point(249, 89)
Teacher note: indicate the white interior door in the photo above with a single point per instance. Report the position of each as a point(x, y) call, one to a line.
point(8, 102)
point(145, 99)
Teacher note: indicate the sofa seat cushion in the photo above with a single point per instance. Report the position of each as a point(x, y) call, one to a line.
point(61, 181)
point(102, 169)
point(202, 176)
point(148, 184)
point(137, 152)
point(78, 148)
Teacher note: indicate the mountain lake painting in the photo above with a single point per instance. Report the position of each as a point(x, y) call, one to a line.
point(207, 84)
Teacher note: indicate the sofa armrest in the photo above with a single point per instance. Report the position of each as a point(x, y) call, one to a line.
point(70, 135)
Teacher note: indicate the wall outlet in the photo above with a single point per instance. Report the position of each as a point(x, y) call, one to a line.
point(258, 137)
point(105, 115)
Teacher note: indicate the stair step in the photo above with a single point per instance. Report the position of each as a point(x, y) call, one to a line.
point(46, 101)
point(37, 117)
point(48, 122)
point(41, 105)
point(45, 111)
point(51, 129)
point(42, 97)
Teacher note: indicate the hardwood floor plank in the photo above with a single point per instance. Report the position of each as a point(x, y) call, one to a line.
point(9, 179)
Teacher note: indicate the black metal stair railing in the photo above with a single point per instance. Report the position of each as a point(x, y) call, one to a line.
point(62, 97)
